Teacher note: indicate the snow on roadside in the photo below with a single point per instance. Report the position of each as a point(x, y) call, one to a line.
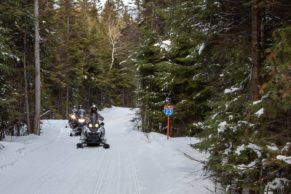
point(16, 147)
point(10, 154)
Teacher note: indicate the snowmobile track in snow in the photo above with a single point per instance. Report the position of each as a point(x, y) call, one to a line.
point(99, 182)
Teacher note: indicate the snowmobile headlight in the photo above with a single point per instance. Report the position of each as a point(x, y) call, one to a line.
point(73, 116)
point(96, 125)
point(90, 125)
point(81, 120)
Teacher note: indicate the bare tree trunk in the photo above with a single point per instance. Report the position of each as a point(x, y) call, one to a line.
point(112, 42)
point(123, 95)
point(114, 27)
point(112, 56)
point(67, 64)
point(138, 7)
point(37, 70)
point(256, 66)
point(256, 51)
point(25, 84)
point(67, 101)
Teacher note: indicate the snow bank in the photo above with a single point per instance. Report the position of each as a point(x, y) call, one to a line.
point(11, 154)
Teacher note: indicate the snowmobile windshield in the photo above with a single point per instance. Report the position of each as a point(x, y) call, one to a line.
point(82, 113)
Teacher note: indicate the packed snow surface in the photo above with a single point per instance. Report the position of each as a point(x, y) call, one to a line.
point(136, 163)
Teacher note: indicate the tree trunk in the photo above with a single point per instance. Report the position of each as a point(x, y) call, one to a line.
point(67, 101)
point(67, 64)
point(112, 55)
point(138, 7)
point(112, 40)
point(37, 70)
point(256, 43)
point(25, 85)
point(256, 51)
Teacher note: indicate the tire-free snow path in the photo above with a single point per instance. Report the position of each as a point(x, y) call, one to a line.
point(135, 164)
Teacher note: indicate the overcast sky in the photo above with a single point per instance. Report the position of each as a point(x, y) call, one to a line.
point(131, 7)
point(126, 2)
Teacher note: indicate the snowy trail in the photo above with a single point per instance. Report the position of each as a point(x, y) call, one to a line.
point(51, 164)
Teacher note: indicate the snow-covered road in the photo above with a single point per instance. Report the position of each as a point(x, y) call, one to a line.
point(135, 164)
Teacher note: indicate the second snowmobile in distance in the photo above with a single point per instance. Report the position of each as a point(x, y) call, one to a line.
point(81, 124)
point(73, 120)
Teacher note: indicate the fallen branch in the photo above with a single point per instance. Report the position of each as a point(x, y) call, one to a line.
point(191, 158)
point(45, 113)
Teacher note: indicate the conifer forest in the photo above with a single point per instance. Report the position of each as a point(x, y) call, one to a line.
point(225, 66)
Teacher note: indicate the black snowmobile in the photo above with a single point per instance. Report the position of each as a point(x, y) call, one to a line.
point(80, 125)
point(73, 120)
point(93, 134)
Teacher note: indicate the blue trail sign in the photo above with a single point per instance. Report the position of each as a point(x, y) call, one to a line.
point(168, 110)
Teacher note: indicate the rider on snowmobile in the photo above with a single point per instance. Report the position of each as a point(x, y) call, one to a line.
point(93, 110)
point(74, 109)
point(81, 110)
point(94, 117)
point(73, 115)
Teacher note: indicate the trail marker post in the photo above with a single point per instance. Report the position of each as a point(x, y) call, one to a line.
point(168, 110)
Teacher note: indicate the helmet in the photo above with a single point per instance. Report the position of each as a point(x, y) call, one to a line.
point(93, 108)
point(80, 106)
point(74, 110)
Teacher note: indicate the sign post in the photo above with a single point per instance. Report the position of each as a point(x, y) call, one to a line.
point(168, 110)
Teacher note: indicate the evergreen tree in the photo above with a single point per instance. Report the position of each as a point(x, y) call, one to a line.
point(205, 55)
